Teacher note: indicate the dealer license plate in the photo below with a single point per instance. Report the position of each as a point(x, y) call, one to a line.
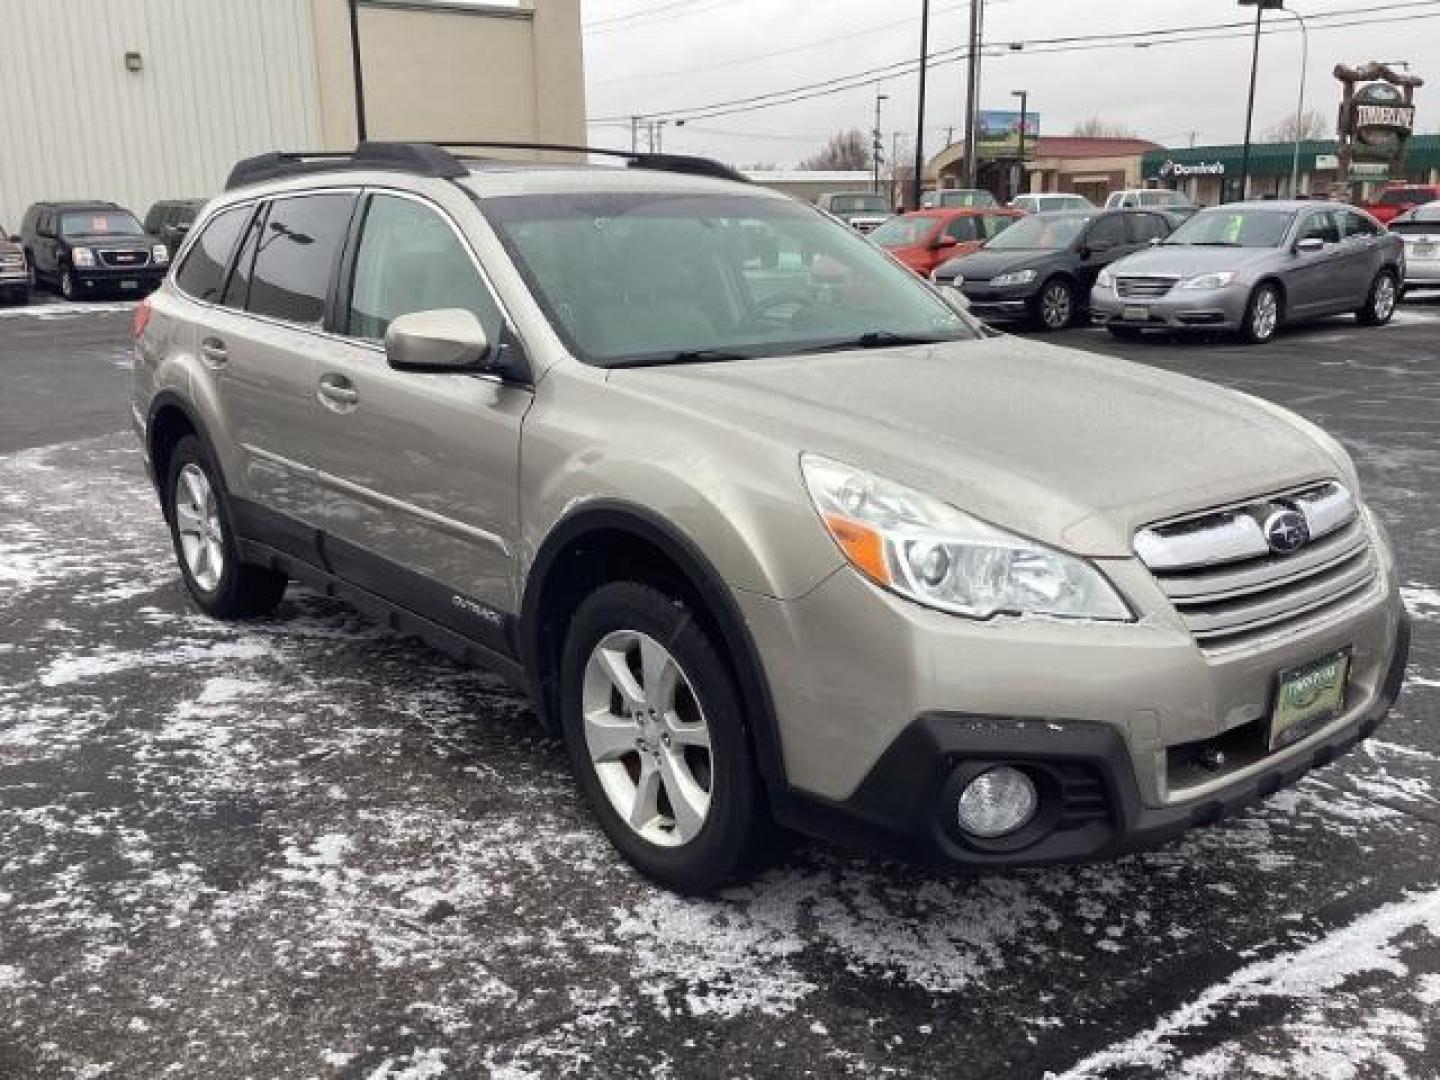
point(1425, 251)
point(1309, 696)
point(129, 284)
point(1132, 313)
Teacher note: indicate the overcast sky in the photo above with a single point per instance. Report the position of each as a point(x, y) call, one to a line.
point(647, 56)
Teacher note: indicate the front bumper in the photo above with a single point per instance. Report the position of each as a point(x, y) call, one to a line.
point(882, 699)
point(999, 305)
point(1179, 309)
point(118, 279)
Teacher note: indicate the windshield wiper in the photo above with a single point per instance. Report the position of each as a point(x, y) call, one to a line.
point(1208, 243)
point(684, 356)
point(878, 339)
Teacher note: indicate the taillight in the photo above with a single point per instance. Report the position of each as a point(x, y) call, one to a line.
point(141, 319)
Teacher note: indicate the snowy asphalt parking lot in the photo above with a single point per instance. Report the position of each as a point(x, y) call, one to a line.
point(305, 847)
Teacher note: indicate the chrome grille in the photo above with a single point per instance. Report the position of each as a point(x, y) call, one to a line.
point(1148, 288)
point(1230, 588)
point(126, 257)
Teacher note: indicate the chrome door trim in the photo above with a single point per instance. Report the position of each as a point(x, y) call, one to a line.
point(469, 532)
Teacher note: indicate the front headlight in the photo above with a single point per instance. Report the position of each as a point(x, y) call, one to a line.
point(82, 256)
point(928, 551)
point(1014, 277)
point(159, 254)
point(1106, 279)
point(1217, 280)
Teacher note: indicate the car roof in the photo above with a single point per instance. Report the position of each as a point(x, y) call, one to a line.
point(80, 204)
point(1276, 204)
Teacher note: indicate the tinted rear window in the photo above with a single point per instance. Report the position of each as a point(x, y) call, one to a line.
point(202, 274)
point(296, 256)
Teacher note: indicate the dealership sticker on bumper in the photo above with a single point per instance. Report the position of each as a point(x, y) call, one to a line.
point(1131, 313)
point(1309, 696)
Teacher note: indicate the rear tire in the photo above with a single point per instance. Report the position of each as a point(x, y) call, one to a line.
point(1262, 316)
point(204, 539)
point(1380, 301)
point(642, 687)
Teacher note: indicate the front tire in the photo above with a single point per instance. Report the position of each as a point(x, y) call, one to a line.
point(1379, 301)
point(204, 539)
point(1055, 306)
point(1262, 316)
point(657, 738)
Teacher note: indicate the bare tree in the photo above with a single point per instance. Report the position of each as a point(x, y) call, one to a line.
point(845, 150)
point(1095, 128)
point(1310, 124)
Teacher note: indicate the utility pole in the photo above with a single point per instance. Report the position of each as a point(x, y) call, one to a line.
point(877, 143)
point(356, 67)
point(972, 88)
point(1024, 96)
point(634, 134)
point(919, 179)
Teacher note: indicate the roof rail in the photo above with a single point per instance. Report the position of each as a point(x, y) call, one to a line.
point(677, 163)
point(422, 159)
point(433, 159)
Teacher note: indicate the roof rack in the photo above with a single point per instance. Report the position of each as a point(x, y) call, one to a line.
point(677, 163)
point(433, 159)
point(422, 159)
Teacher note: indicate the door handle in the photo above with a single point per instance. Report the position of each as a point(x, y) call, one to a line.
point(213, 352)
point(336, 391)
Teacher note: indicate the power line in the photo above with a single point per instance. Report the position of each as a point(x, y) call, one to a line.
point(674, 10)
point(1075, 43)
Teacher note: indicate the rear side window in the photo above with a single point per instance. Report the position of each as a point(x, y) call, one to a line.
point(962, 229)
point(1320, 226)
point(295, 257)
point(202, 274)
point(1355, 224)
point(995, 224)
point(1110, 230)
point(410, 259)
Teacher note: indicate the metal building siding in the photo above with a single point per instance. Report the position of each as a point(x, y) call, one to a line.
point(222, 79)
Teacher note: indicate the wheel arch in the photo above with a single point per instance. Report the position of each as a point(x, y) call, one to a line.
point(168, 420)
point(612, 539)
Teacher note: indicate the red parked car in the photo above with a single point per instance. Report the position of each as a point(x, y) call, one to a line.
point(923, 239)
point(1396, 199)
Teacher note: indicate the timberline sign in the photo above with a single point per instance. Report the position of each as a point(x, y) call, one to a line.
point(1377, 116)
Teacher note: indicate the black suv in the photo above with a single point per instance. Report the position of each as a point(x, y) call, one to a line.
point(1041, 269)
point(170, 220)
point(90, 248)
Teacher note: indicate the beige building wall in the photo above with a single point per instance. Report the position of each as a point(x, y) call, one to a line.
point(437, 71)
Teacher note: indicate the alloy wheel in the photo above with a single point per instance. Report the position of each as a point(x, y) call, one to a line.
point(1055, 307)
point(1266, 315)
point(647, 738)
point(1384, 305)
point(67, 285)
point(197, 520)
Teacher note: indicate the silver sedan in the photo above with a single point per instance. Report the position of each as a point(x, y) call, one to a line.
point(1420, 230)
point(1251, 267)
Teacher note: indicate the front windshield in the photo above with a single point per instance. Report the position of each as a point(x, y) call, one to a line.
point(1234, 228)
point(98, 223)
point(857, 204)
point(1040, 233)
point(632, 278)
point(908, 231)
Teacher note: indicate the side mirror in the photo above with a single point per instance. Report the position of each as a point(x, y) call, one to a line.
point(1309, 245)
point(448, 340)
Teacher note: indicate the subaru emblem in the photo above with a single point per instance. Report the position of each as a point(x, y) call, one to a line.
point(1286, 531)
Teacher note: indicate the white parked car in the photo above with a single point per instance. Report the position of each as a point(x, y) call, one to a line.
point(1148, 198)
point(1039, 203)
point(1420, 229)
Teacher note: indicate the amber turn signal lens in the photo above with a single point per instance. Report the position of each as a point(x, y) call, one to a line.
point(862, 545)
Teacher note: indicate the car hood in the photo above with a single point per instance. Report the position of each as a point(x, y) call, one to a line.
point(984, 265)
point(1070, 448)
point(1185, 260)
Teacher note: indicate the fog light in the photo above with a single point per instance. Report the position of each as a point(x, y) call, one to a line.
point(998, 801)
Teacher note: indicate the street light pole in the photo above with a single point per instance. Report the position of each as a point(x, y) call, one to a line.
point(918, 181)
point(972, 89)
point(1260, 6)
point(1300, 101)
point(1024, 96)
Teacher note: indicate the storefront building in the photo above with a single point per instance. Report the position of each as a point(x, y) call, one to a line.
point(1064, 163)
point(1211, 174)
